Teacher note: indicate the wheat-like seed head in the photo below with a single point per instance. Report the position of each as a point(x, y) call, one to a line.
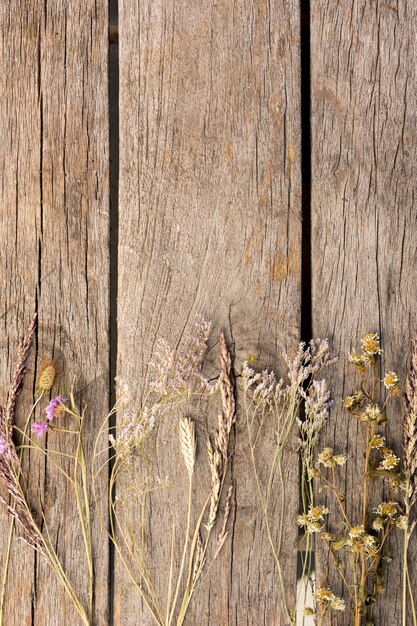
point(410, 424)
point(188, 443)
point(223, 532)
point(199, 559)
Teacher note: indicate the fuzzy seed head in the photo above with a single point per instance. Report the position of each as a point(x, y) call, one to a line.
point(47, 377)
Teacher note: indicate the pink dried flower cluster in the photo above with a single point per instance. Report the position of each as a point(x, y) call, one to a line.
point(317, 406)
point(310, 359)
point(135, 428)
point(268, 391)
point(178, 371)
point(40, 428)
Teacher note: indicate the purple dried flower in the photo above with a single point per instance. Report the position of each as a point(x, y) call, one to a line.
point(51, 409)
point(177, 371)
point(40, 428)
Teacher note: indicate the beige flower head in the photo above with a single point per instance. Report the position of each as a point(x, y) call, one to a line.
point(386, 509)
point(370, 344)
point(377, 442)
point(353, 402)
point(378, 524)
point(361, 361)
point(390, 461)
point(328, 459)
point(327, 597)
point(402, 522)
point(312, 520)
point(391, 380)
point(372, 413)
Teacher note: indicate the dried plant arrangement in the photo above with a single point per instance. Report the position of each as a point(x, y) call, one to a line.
point(31, 526)
point(359, 546)
point(276, 405)
point(178, 378)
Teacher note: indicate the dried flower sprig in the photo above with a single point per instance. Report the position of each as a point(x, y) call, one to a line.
point(363, 543)
point(269, 401)
point(178, 378)
point(18, 505)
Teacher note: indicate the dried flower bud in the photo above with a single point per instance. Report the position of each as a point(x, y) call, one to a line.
point(313, 472)
point(353, 402)
point(378, 524)
point(402, 522)
point(46, 377)
point(361, 361)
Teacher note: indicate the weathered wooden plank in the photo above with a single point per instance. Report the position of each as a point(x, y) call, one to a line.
point(210, 223)
point(364, 131)
point(54, 257)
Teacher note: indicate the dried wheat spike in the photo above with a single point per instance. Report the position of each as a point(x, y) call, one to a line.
point(410, 424)
point(188, 443)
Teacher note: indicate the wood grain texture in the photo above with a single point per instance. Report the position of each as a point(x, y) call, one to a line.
point(54, 257)
point(364, 132)
point(210, 223)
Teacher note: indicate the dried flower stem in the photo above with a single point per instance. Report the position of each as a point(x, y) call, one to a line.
point(179, 378)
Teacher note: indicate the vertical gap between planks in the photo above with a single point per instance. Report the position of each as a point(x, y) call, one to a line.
point(306, 329)
point(113, 95)
point(306, 272)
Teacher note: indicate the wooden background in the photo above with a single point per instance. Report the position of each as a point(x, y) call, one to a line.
point(238, 197)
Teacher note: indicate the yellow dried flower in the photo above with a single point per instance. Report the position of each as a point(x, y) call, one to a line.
point(317, 513)
point(326, 596)
point(46, 377)
point(311, 521)
point(386, 509)
point(370, 344)
point(356, 532)
point(361, 361)
point(352, 402)
point(328, 459)
point(327, 536)
point(391, 380)
point(377, 441)
point(372, 413)
point(308, 611)
point(389, 462)
point(303, 520)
